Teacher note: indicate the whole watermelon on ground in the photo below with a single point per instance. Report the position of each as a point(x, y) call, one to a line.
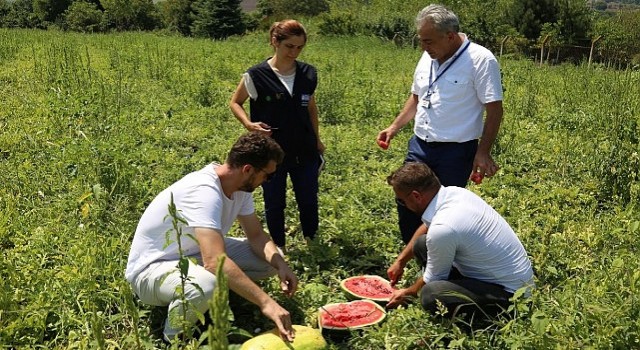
point(307, 338)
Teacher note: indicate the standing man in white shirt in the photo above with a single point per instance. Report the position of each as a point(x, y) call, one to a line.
point(471, 257)
point(456, 83)
point(208, 202)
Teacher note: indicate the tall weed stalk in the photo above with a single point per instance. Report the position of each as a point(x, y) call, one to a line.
point(219, 311)
point(183, 268)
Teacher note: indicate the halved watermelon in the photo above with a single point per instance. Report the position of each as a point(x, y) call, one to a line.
point(369, 287)
point(350, 316)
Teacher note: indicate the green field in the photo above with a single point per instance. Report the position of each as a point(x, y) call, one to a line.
point(92, 127)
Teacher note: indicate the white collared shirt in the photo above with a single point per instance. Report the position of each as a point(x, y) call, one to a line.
point(458, 97)
point(468, 234)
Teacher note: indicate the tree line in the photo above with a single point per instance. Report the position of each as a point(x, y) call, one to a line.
point(526, 23)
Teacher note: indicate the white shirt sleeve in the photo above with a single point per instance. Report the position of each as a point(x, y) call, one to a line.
point(202, 207)
point(251, 88)
point(441, 248)
point(247, 205)
point(488, 81)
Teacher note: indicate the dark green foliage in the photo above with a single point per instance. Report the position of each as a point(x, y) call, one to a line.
point(176, 15)
point(528, 16)
point(83, 17)
point(217, 19)
point(573, 19)
point(21, 15)
point(485, 22)
point(289, 8)
point(392, 27)
point(5, 8)
point(600, 5)
point(50, 11)
point(570, 18)
point(130, 14)
point(339, 23)
point(618, 37)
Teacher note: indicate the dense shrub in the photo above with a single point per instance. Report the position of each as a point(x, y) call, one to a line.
point(83, 17)
point(339, 23)
point(4, 11)
point(130, 14)
point(289, 8)
point(21, 15)
point(50, 11)
point(176, 15)
point(391, 27)
point(217, 19)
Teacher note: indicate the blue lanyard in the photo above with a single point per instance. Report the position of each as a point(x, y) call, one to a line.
point(455, 58)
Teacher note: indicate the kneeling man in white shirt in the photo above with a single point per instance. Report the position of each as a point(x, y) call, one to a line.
point(471, 258)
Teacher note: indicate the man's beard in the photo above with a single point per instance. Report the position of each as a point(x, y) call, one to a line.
point(247, 186)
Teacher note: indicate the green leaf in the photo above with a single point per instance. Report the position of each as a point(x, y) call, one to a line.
point(183, 266)
point(618, 263)
point(540, 322)
point(552, 270)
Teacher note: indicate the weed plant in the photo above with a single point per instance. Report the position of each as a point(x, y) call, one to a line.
point(92, 127)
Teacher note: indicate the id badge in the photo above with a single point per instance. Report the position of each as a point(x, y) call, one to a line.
point(426, 101)
point(305, 100)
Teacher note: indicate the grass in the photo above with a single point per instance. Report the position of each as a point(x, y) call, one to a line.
point(92, 127)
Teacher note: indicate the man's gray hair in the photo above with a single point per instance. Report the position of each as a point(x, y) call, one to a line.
point(443, 19)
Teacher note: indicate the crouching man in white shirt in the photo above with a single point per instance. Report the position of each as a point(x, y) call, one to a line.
point(471, 257)
point(208, 202)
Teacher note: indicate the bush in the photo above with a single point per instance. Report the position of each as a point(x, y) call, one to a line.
point(83, 17)
point(176, 15)
point(131, 14)
point(4, 12)
point(339, 23)
point(21, 15)
point(287, 8)
point(389, 28)
point(217, 19)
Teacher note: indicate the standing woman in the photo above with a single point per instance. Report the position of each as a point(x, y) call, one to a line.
point(282, 105)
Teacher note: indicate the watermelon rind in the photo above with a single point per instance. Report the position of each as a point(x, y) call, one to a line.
point(375, 308)
point(307, 338)
point(353, 295)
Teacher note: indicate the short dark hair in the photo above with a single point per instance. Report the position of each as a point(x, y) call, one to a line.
point(414, 176)
point(255, 149)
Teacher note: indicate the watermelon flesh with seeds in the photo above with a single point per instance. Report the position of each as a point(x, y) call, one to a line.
point(350, 315)
point(369, 287)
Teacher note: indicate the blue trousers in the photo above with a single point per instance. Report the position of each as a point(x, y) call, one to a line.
point(450, 161)
point(304, 177)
